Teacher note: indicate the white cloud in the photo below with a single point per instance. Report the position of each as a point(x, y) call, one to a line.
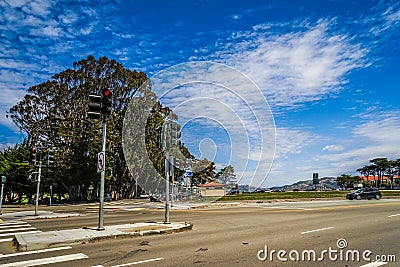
point(303, 65)
point(333, 148)
point(377, 137)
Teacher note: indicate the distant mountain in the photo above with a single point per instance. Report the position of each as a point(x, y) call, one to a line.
point(325, 183)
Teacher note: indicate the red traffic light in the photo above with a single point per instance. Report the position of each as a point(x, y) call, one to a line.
point(106, 93)
point(33, 150)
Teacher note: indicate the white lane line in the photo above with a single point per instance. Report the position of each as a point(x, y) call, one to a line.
point(20, 233)
point(14, 226)
point(6, 239)
point(137, 262)
point(19, 229)
point(286, 208)
point(317, 230)
point(12, 223)
point(394, 215)
point(39, 262)
point(34, 252)
point(374, 264)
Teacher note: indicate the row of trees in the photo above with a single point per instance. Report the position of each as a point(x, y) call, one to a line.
point(385, 173)
point(54, 114)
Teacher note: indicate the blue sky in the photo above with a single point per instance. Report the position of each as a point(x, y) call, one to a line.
point(328, 69)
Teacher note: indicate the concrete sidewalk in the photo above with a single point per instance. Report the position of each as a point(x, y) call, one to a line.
point(34, 241)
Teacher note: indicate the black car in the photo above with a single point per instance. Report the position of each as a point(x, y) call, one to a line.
point(365, 193)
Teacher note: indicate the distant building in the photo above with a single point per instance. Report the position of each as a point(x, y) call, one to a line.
point(392, 179)
point(212, 189)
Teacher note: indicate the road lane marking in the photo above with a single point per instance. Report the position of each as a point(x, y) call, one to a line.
point(394, 215)
point(34, 252)
point(135, 209)
point(138, 262)
point(38, 262)
point(317, 230)
point(20, 233)
point(286, 208)
point(13, 226)
point(374, 264)
point(19, 229)
point(13, 223)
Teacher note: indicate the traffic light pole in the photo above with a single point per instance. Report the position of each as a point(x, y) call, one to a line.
point(167, 204)
point(102, 175)
point(38, 184)
point(3, 180)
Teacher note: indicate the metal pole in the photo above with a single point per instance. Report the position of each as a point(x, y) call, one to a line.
point(102, 174)
point(166, 187)
point(38, 184)
point(172, 180)
point(51, 193)
point(1, 197)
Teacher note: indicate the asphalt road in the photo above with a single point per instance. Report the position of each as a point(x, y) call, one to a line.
point(244, 235)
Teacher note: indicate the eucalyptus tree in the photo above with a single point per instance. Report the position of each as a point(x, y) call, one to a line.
point(53, 114)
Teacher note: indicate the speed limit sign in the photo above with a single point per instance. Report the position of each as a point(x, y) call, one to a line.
point(101, 161)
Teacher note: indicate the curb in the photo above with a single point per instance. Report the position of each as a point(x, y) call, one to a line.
point(86, 235)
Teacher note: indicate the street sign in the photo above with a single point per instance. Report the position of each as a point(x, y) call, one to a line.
point(315, 178)
point(101, 157)
point(3, 179)
point(189, 174)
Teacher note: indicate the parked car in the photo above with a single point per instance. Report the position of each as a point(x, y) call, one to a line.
point(365, 193)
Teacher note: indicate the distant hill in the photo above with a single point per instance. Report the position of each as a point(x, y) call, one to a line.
point(325, 183)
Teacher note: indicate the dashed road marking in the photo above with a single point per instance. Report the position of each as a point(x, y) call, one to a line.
point(374, 264)
point(317, 230)
point(138, 262)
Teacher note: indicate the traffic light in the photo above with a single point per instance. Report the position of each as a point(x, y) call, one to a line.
point(50, 156)
point(32, 156)
point(161, 136)
point(175, 133)
point(94, 107)
point(106, 102)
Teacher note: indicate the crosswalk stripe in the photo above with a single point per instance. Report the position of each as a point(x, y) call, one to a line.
point(14, 225)
point(19, 229)
point(43, 261)
point(6, 239)
point(21, 233)
point(34, 252)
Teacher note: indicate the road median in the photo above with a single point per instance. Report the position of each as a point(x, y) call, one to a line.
point(42, 240)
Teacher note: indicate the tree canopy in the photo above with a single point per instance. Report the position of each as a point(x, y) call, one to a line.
point(53, 114)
